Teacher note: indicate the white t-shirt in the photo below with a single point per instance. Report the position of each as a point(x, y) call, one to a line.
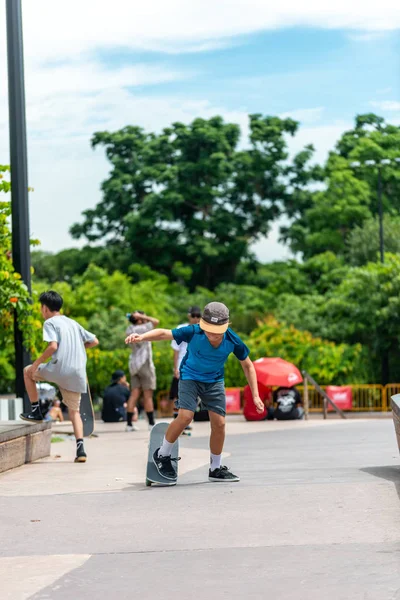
point(181, 348)
point(67, 366)
point(142, 352)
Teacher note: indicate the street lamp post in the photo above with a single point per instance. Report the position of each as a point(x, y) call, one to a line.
point(380, 209)
point(19, 175)
point(373, 163)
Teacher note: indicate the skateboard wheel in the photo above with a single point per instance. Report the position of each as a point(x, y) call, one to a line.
point(148, 483)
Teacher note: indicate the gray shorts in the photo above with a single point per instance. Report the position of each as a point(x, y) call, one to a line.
point(145, 378)
point(212, 395)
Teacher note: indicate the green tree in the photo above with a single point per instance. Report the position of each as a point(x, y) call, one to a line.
point(365, 308)
point(334, 212)
point(350, 194)
point(363, 241)
point(188, 198)
point(14, 296)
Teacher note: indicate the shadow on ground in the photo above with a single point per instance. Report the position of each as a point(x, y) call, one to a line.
point(389, 473)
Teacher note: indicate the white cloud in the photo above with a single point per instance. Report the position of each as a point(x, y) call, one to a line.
point(304, 115)
point(53, 29)
point(322, 137)
point(269, 249)
point(368, 36)
point(387, 105)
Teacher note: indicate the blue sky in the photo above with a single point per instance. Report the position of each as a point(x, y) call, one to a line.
point(280, 71)
point(89, 70)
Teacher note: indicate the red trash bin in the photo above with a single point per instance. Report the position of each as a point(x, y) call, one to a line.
point(341, 395)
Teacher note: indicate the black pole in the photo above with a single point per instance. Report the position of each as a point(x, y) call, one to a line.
point(381, 241)
point(19, 174)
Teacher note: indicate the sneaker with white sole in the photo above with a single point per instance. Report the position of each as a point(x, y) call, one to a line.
point(165, 467)
point(35, 416)
point(80, 453)
point(222, 474)
point(132, 428)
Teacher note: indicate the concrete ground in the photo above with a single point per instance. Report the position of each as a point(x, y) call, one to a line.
point(316, 515)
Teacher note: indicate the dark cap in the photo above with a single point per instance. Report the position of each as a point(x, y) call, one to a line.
point(194, 310)
point(117, 375)
point(215, 318)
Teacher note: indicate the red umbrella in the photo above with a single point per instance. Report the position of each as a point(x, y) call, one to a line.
point(276, 371)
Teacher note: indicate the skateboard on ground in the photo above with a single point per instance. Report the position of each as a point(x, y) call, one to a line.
point(87, 414)
point(156, 440)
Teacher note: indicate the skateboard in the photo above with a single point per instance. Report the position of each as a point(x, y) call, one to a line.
point(87, 414)
point(156, 440)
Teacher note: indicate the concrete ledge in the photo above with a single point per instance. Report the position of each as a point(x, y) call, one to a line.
point(395, 403)
point(23, 443)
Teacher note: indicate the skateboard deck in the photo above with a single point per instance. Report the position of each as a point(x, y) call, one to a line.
point(87, 414)
point(156, 439)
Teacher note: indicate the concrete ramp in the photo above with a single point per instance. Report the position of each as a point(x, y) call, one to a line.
point(395, 403)
point(22, 443)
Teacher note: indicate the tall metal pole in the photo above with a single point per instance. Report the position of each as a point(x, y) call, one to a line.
point(380, 208)
point(19, 173)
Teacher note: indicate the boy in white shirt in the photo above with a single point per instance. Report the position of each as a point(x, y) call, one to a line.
point(67, 343)
point(194, 314)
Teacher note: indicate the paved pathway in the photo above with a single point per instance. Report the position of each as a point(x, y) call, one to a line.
point(315, 516)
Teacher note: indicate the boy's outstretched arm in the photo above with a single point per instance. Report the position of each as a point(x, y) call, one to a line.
point(156, 335)
point(251, 377)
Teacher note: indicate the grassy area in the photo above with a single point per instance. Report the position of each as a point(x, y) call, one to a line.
point(56, 440)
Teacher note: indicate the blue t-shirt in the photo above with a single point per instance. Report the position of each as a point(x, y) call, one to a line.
point(203, 362)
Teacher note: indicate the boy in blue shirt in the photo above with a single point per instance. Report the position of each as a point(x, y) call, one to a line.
point(202, 375)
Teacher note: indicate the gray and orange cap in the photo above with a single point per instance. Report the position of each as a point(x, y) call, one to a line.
point(215, 318)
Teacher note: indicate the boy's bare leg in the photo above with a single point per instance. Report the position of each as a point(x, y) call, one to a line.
point(77, 424)
point(132, 412)
point(30, 385)
point(149, 406)
point(217, 437)
point(132, 400)
point(184, 418)
point(148, 403)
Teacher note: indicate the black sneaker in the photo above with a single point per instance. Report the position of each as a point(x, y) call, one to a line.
point(222, 474)
point(80, 453)
point(35, 416)
point(164, 466)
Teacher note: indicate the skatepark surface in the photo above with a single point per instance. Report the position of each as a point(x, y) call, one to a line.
point(315, 515)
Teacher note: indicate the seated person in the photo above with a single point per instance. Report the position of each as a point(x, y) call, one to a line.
point(249, 410)
point(47, 394)
point(289, 405)
point(55, 412)
point(115, 399)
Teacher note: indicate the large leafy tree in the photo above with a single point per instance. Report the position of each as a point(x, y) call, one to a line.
point(189, 198)
point(350, 194)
